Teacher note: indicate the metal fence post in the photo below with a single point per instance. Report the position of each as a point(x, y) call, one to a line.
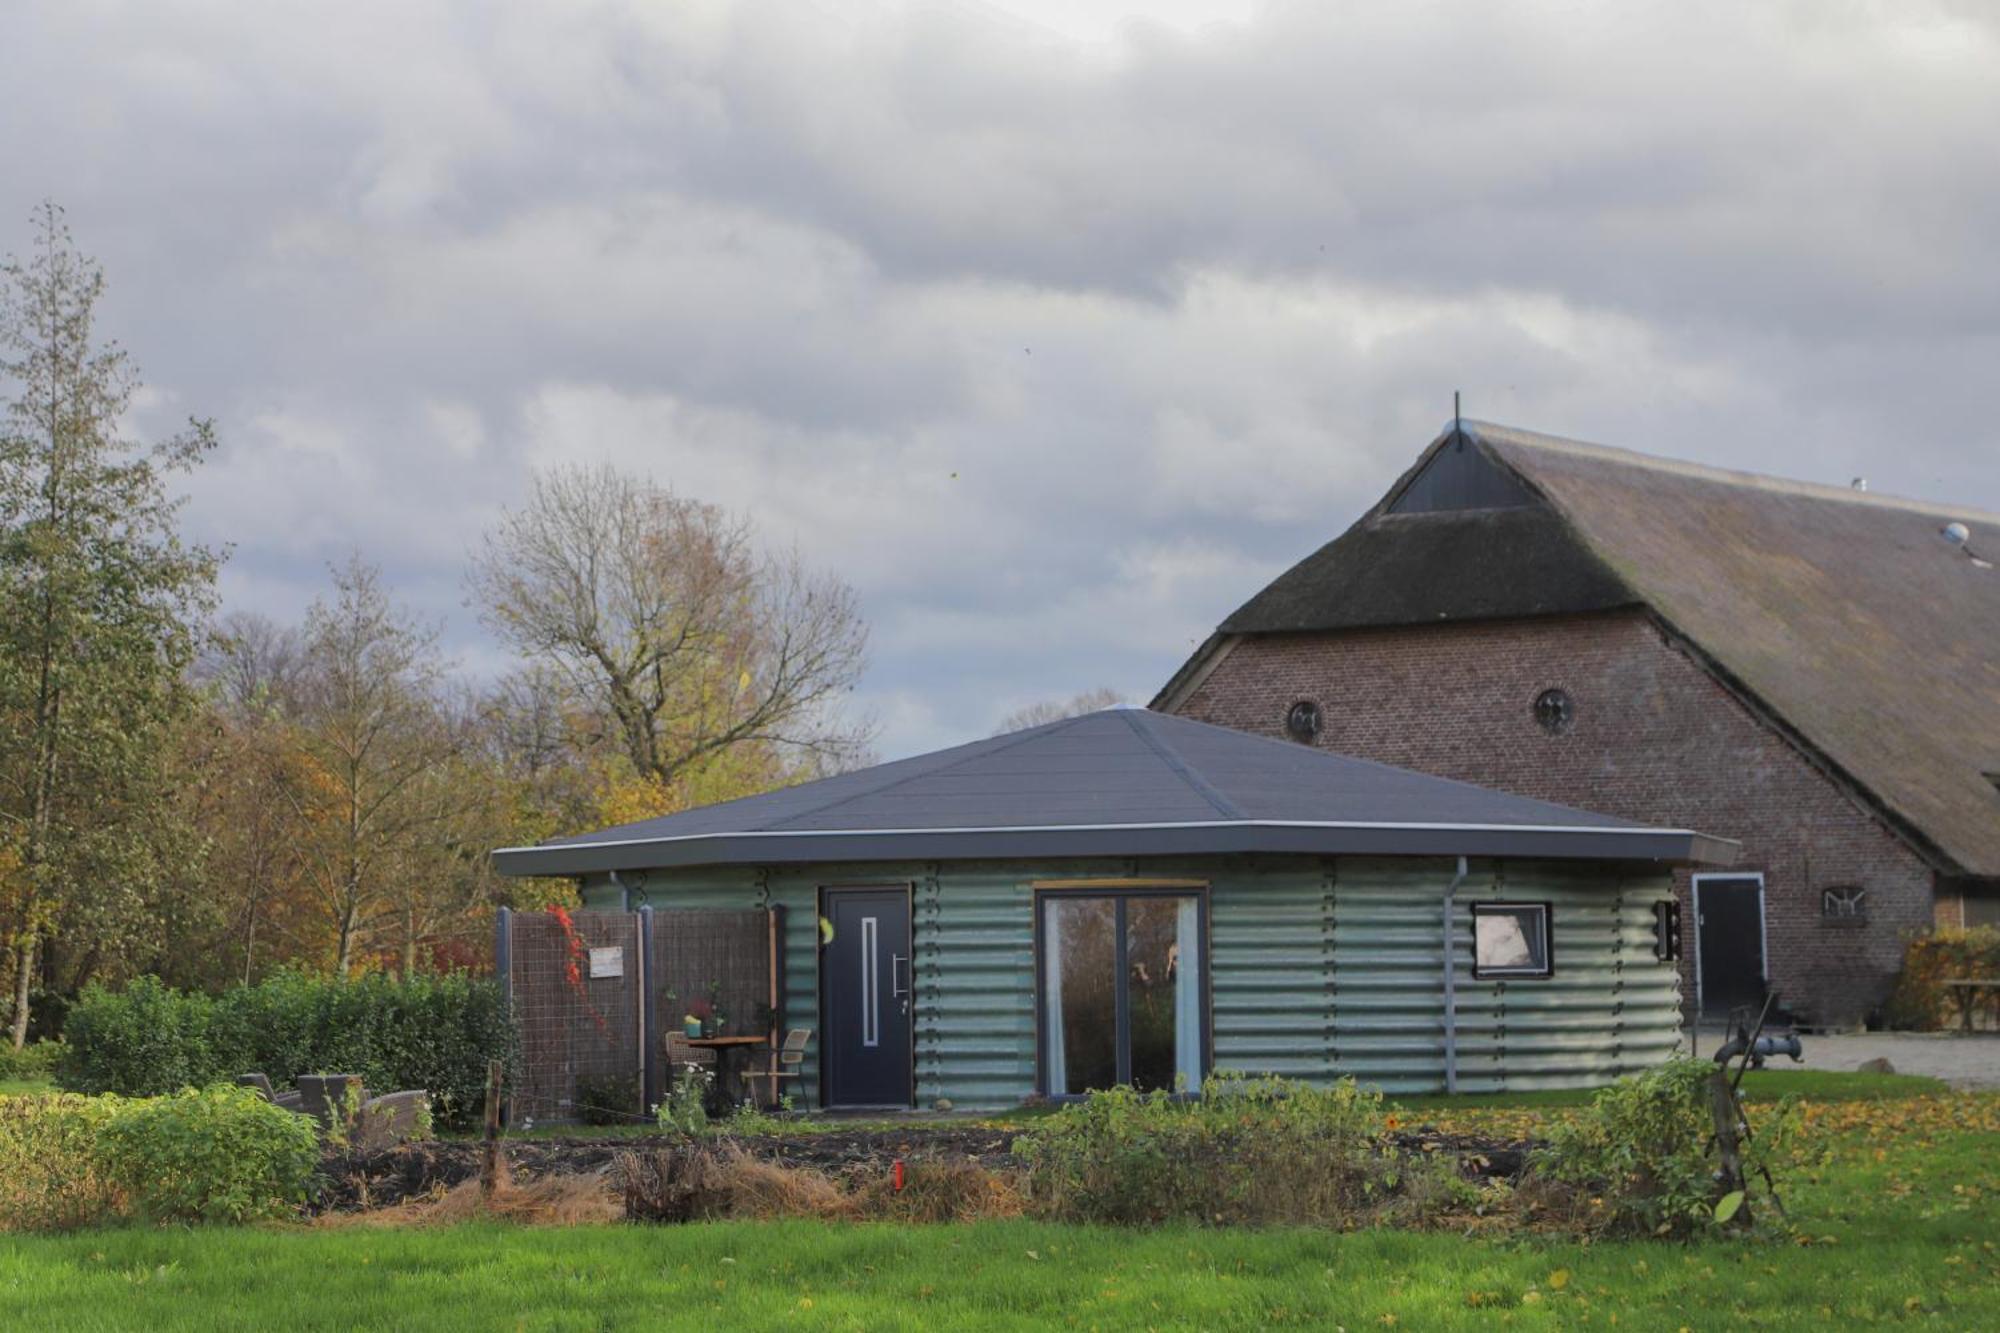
point(648, 1007)
point(503, 962)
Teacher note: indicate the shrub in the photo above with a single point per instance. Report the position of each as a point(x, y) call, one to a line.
point(612, 1099)
point(1252, 1150)
point(143, 1041)
point(51, 1173)
point(434, 1032)
point(36, 1060)
point(1643, 1153)
point(221, 1154)
point(1920, 999)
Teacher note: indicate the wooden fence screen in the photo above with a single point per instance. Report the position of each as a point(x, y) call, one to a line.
point(593, 993)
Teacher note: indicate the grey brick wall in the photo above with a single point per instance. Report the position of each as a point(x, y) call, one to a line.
point(1654, 737)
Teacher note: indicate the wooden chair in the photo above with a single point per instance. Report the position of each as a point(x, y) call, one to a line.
point(791, 1057)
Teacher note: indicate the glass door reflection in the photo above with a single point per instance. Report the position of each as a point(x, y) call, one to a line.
point(1121, 992)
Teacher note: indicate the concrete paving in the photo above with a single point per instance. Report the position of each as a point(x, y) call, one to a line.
point(1970, 1062)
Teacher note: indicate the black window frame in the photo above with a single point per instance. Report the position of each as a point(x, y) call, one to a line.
point(1045, 893)
point(1511, 905)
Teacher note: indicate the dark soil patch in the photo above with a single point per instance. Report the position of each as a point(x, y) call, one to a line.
point(378, 1179)
point(411, 1170)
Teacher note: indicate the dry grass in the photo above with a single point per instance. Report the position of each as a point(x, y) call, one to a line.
point(712, 1183)
point(550, 1201)
point(944, 1189)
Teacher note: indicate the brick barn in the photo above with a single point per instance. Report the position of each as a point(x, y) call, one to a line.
point(1813, 671)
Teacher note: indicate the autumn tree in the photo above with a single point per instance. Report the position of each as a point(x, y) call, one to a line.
point(666, 635)
point(244, 762)
point(99, 600)
point(372, 743)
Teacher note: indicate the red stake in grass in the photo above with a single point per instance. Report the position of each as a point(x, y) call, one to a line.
point(896, 1175)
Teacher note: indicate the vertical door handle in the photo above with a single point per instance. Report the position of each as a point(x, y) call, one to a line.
point(899, 990)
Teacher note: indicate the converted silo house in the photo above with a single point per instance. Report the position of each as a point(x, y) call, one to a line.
point(1130, 897)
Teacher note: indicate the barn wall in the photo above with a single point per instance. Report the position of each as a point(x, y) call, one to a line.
point(1655, 738)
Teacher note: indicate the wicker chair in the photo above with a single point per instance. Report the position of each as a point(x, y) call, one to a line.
point(680, 1054)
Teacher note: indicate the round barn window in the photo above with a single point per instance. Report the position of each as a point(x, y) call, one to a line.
point(1302, 723)
point(1554, 711)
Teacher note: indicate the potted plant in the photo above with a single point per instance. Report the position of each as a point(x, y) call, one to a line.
point(691, 1025)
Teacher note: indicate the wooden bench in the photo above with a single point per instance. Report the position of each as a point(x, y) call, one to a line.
point(1967, 991)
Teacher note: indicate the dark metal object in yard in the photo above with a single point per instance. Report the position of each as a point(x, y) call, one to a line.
point(1753, 1045)
point(1732, 1127)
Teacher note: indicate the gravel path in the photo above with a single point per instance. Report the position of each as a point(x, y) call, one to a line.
point(1971, 1063)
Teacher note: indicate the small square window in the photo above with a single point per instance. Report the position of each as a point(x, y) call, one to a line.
point(1511, 940)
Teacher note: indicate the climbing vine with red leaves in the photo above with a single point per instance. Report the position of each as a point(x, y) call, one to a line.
point(575, 954)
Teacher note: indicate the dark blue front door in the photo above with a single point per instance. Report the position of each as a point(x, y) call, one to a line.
point(865, 980)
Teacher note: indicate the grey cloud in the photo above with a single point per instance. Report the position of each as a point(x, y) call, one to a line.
point(1055, 350)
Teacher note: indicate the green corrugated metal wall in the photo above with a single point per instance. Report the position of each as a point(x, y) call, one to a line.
point(1318, 969)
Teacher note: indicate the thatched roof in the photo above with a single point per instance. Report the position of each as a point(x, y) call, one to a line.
point(1846, 615)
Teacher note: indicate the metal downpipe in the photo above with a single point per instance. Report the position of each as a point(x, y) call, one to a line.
point(1451, 979)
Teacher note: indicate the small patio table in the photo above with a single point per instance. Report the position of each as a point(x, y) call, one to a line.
point(725, 1049)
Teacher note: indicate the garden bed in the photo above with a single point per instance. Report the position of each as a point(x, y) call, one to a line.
point(359, 1180)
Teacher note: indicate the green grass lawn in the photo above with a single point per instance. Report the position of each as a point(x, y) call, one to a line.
point(1758, 1086)
point(25, 1087)
point(1898, 1220)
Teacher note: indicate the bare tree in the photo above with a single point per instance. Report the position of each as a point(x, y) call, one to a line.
point(1055, 710)
point(667, 627)
point(374, 736)
point(252, 661)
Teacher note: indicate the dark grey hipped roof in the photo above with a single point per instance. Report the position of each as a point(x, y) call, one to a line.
point(1122, 782)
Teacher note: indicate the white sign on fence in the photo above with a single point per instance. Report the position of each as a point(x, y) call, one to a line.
point(607, 962)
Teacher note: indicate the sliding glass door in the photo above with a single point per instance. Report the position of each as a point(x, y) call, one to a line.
point(1122, 991)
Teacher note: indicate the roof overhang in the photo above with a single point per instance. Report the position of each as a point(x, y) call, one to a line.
point(1200, 838)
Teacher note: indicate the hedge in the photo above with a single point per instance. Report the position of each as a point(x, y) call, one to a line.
point(36, 1060)
point(1920, 999)
point(222, 1154)
point(435, 1033)
point(52, 1176)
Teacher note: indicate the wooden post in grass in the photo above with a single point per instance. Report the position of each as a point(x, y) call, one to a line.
point(490, 1177)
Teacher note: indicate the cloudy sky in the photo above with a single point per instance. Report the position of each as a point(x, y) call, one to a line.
point(1055, 330)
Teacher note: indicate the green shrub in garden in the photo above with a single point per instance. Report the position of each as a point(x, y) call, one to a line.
point(1256, 1150)
point(1643, 1152)
point(1920, 999)
point(142, 1041)
point(220, 1154)
point(431, 1032)
point(52, 1176)
point(36, 1060)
